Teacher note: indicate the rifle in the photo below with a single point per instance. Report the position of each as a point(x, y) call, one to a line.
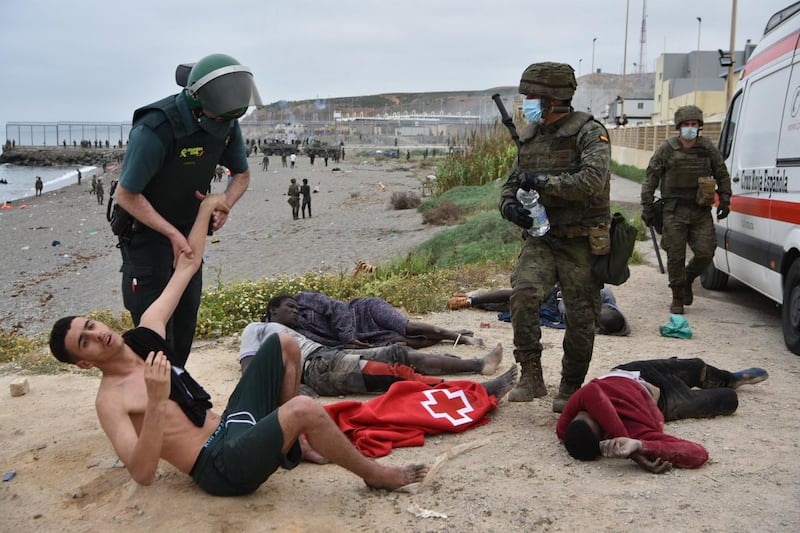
point(507, 122)
point(655, 247)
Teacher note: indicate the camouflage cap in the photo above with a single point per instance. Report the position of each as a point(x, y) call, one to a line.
point(688, 112)
point(553, 80)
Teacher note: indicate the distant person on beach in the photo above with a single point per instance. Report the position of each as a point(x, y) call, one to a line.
point(93, 191)
point(294, 198)
point(150, 408)
point(305, 190)
point(79, 176)
point(265, 163)
point(292, 160)
point(98, 190)
point(39, 185)
point(174, 147)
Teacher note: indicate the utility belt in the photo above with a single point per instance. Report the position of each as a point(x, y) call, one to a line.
point(599, 235)
point(564, 231)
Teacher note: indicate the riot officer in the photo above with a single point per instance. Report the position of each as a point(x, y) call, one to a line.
point(564, 155)
point(687, 169)
point(174, 147)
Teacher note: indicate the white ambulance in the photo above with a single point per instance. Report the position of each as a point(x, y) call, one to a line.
point(759, 242)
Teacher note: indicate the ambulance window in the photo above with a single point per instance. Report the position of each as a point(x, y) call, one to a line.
point(729, 128)
point(760, 117)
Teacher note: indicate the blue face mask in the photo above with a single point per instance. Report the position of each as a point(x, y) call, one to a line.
point(688, 133)
point(532, 109)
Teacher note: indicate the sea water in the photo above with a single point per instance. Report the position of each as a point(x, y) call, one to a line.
point(21, 179)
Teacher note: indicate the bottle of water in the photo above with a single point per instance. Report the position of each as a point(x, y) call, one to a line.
point(530, 201)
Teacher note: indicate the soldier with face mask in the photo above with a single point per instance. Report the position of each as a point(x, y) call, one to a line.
point(564, 155)
point(174, 147)
point(687, 169)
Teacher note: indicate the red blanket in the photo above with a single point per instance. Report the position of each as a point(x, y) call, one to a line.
point(408, 411)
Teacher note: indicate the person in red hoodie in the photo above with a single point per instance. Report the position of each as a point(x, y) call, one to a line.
point(621, 414)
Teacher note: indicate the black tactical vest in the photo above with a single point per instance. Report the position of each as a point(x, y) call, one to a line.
point(189, 165)
point(555, 154)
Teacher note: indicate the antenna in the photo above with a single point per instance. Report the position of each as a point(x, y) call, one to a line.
point(643, 41)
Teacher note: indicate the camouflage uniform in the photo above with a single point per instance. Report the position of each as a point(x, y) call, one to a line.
point(574, 153)
point(674, 170)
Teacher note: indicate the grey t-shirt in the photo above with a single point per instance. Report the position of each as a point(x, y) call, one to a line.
point(256, 333)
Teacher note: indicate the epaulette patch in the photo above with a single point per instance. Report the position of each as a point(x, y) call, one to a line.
point(604, 138)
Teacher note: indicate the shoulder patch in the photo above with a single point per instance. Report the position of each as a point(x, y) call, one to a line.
point(604, 138)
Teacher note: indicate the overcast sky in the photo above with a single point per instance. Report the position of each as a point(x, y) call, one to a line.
point(89, 60)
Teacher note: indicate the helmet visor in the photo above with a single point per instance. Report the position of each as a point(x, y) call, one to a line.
point(227, 92)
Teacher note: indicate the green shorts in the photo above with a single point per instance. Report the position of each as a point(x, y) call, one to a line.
point(246, 448)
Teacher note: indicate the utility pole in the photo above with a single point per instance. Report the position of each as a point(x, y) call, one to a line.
point(730, 81)
point(697, 60)
point(624, 60)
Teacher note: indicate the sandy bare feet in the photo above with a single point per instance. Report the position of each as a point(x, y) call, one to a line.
point(492, 359)
point(394, 477)
point(310, 454)
point(503, 383)
point(466, 337)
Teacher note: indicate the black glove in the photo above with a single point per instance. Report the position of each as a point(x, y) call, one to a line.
point(527, 180)
point(649, 215)
point(723, 210)
point(517, 214)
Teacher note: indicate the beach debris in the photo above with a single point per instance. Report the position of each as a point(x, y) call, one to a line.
point(9, 475)
point(382, 186)
point(364, 267)
point(419, 512)
point(19, 387)
point(56, 243)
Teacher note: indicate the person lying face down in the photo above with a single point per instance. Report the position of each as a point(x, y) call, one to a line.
point(622, 414)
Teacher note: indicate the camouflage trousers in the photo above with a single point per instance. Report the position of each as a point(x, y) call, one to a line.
point(692, 225)
point(542, 262)
point(335, 371)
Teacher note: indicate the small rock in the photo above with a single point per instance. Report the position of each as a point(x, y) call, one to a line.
point(19, 387)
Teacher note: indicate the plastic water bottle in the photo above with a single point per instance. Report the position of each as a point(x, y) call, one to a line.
point(530, 201)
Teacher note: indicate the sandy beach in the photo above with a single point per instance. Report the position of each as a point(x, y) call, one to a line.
point(61, 257)
point(517, 478)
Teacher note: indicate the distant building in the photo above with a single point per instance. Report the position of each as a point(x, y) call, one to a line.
point(695, 78)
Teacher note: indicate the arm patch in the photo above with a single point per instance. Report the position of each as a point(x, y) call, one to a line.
point(604, 139)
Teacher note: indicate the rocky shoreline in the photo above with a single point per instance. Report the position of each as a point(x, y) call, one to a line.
point(47, 156)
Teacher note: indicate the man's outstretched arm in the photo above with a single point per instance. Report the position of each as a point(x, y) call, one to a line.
point(157, 315)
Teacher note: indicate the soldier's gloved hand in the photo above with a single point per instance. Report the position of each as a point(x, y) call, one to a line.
point(517, 214)
point(528, 180)
point(723, 210)
point(649, 215)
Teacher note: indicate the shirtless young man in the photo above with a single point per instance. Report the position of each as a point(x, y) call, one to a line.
point(137, 401)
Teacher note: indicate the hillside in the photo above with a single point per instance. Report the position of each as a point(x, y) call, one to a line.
point(599, 88)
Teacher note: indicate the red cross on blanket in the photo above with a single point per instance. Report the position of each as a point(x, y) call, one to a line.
point(408, 411)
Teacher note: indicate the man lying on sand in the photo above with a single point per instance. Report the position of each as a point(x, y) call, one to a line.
point(151, 410)
point(334, 371)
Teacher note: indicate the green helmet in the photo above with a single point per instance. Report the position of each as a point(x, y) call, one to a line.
point(222, 86)
point(688, 112)
point(548, 79)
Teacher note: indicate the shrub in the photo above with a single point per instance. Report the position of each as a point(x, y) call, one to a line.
point(405, 200)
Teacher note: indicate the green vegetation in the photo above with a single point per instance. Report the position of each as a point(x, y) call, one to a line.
point(479, 251)
point(628, 171)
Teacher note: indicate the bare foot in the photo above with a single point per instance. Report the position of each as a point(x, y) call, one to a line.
point(492, 360)
point(310, 454)
point(470, 340)
point(394, 477)
point(502, 384)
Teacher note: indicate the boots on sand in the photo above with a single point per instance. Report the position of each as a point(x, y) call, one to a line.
point(531, 384)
